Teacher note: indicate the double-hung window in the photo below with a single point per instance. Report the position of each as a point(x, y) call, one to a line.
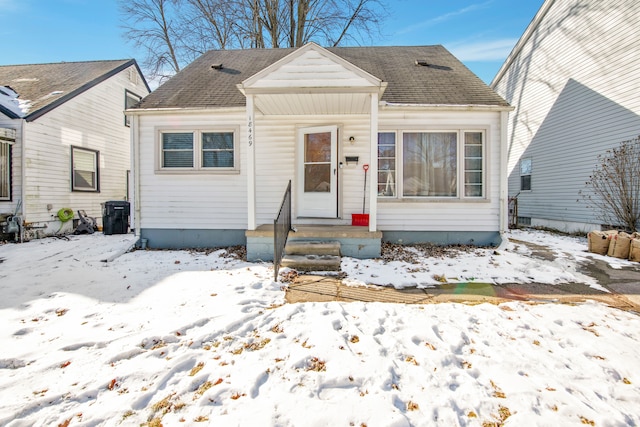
point(85, 172)
point(177, 150)
point(525, 174)
point(448, 164)
point(198, 150)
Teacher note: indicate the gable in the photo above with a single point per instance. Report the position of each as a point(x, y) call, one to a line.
point(311, 67)
point(39, 88)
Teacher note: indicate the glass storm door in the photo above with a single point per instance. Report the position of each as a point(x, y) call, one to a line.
point(317, 172)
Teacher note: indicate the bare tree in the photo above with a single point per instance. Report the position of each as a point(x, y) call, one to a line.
point(613, 190)
point(211, 25)
point(174, 32)
point(150, 25)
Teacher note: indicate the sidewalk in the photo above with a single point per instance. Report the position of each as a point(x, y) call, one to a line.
point(623, 284)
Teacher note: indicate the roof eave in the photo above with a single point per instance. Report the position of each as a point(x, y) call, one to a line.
point(7, 112)
point(182, 110)
point(55, 104)
point(450, 107)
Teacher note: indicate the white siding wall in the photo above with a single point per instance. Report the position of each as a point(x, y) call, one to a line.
point(93, 120)
point(575, 86)
point(458, 215)
point(16, 165)
point(276, 146)
point(191, 200)
point(210, 201)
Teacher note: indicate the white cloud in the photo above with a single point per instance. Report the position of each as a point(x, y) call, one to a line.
point(489, 50)
point(442, 18)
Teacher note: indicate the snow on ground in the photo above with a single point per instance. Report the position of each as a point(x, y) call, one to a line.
point(190, 338)
point(510, 264)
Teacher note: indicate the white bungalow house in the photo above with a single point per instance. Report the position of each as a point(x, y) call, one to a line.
point(64, 139)
point(215, 147)
point(573, 79)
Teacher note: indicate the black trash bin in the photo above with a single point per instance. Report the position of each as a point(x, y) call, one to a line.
point(115, 217)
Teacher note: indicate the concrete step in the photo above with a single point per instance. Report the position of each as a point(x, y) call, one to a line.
point(312, 262)
point(310, 247)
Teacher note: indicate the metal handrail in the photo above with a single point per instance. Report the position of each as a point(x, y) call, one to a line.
point(281, 228)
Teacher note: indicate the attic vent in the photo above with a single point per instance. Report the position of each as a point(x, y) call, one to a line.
point(133, 75)
point(216, 66)
point(422, 62)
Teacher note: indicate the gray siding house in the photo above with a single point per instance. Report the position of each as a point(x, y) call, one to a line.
point(573, 79)
point(64, 139)
point(216, 145)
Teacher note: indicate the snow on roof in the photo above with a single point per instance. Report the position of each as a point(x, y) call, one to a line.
point(9, 100)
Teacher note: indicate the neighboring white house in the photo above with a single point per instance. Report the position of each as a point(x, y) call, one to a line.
point(216, 145)
point(573, 79)
point(64, 138)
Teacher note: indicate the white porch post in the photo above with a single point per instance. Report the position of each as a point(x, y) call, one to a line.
point(373, 163)
point(251, 164)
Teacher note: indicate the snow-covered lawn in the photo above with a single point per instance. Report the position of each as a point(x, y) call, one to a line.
point(178, 338)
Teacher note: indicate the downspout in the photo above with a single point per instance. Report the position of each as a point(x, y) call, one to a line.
point(504, 193)
point(23, 175)
point(135, 172)
point(373, 163)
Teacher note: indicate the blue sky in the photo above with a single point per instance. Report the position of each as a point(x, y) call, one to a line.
point(481, 33)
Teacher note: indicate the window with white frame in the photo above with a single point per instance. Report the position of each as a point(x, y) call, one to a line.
point(431, 164)
point(85, 172)
point(5, 170)
point(473, 164)
point(199, 150)
point(525, 174)
point(387, 164)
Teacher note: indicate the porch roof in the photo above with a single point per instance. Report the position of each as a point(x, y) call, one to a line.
point(415, 75)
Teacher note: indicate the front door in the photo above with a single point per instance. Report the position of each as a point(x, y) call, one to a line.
point(318, 172)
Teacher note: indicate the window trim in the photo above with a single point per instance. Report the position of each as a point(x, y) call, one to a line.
point(9, 175)
point(198, 167)
point(96, 187)
point(132, 95)
point(460, 163)
point(394, 184)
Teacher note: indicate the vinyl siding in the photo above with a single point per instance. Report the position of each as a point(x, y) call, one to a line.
point(210, 201)
point(441, 215)
point(187, 200)
point(310, 69)
point(574, 84)
point(276, 148)
point(92, 120)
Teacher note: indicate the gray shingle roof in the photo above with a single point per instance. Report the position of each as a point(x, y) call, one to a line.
point(49, 85)
point(445, 81)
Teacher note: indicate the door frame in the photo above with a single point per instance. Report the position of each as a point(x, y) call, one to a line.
point(332, 212)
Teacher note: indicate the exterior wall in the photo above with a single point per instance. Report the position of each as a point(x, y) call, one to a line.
point(276, 149)
point(574, 84)
point(207, 209)
point(9, 207)
point(442, 215)
point(190, 201)
point(93, 120)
